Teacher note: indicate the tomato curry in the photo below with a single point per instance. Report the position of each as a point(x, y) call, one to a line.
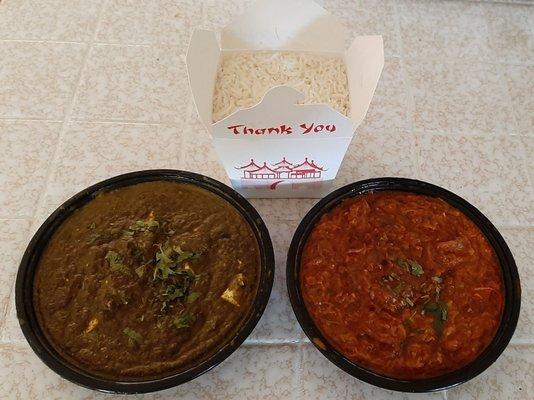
point(402, 284)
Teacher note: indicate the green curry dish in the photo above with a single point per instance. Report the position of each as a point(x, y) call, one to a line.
point(133, 336)
point(115, 262)
point(184, 321)
point(439, 310)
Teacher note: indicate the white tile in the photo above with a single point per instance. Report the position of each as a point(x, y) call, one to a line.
point(92, 152)
point(323, 380)
point(198, 154)
point(150, 21)
point(444, 30)
point(10, 331)
point(73, 20)
point(368, 17)
point(278, 323)
point(511, 377)
point(24, 376)
point(37, 79)
point(133, 83)
point(26, 151)
point(216, 14)
point(390, 107)
point(13, 235)
point(520, 81)
point(487, 171)
point(252, 372)
point(511, 33)
point(521, 243)
point(375, 153)
point(456, 98)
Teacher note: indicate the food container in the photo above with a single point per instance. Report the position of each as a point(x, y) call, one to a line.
point(24, 283)
point(279, 148)
point(512, 288)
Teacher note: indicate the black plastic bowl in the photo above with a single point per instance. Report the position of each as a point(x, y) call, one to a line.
point(509, 273)
point(25, 277)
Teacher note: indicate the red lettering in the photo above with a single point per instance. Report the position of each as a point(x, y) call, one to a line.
point(234, 127)
point(318, 128)
point(271, 130)
point(260, 131)
point(284, 129)
point(306, 129)
point(248, 131)
point(331, 128)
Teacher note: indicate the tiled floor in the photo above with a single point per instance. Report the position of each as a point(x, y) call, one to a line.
point(91, 89)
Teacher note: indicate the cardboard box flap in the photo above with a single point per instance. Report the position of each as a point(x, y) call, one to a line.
point(298, 25)
point(278, 116)
point(202, 62)
point(365, 60)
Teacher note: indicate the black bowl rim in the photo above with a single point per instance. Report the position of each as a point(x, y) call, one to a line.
point(510, 277)
point(24, 283)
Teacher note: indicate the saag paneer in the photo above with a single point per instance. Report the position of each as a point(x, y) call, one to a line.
point(147, 280)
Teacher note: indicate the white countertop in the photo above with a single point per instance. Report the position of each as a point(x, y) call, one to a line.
point(91, 89)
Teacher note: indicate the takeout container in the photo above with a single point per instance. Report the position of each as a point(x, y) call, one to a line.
point(252, 160)
point(24, 283)
point(510, 276)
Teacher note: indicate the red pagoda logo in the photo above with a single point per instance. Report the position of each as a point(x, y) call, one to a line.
point(282, 170)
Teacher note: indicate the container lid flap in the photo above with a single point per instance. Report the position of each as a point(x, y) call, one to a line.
point(365, 60)
point(202, 62)
point(297, 25)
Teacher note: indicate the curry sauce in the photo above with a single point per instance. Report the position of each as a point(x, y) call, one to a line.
point(147, 280)
point(402, 284)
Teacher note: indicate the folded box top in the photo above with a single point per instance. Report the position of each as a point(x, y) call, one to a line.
point(285, 25)
point(300, 25)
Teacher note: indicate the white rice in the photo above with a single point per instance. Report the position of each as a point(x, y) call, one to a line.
point(244, 78)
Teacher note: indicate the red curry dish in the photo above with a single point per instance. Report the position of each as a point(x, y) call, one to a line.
point(402, 284)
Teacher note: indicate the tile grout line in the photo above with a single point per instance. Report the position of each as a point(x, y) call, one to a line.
point(28, 119)
point(522, 342)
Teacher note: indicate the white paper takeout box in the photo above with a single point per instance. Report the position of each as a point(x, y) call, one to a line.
point(279, 148)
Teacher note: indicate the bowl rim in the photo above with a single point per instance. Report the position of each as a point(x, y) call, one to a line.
point(511, 283)
point(24, 283)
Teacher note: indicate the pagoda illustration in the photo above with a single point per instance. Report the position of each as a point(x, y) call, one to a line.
point(282, 170)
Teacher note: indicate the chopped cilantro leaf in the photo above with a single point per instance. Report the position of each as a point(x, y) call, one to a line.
point(133, 336)
point(184, 321)
point(115, 262)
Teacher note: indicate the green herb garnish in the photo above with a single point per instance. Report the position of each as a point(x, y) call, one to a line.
point(413, 267)
point(439, 311)
point(168, 258)
point(403, 264)
point(147, 225)
point(115, 262)
point(140, 271)
point(133, 336)
point(174, 292)
point(93, 237)
point(191, 297)
point(184, 321)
